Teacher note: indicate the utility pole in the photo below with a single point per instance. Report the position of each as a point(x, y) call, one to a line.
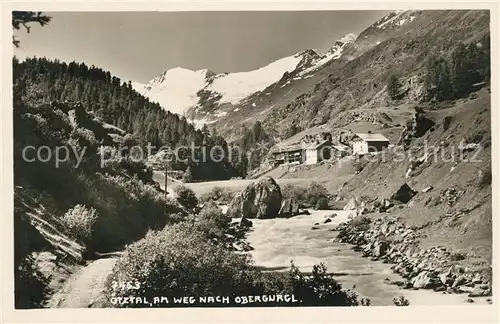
point(166, 169)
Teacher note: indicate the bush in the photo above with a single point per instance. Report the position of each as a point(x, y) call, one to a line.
point(178, 261)
point(127, 210)
point(306, 196)
point(319, 289)
point(188, 175)
point(315, 192)
point(31, 287)
point(289, 191)
point(127, 166)
point(212, 222)
point(186, 197)
point(360, 223)
point(218, 194)
point(322, 203)
point(457, 256)
point(80, 222)
point(485, 179)
point(447, 122)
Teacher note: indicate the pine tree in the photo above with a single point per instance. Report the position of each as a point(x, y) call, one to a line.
point(25, 18)
point(393, 87)
point(470, 65)
point(438, 82)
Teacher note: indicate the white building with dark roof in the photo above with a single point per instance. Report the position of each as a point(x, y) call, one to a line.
point(364, 143)
point(318, 151)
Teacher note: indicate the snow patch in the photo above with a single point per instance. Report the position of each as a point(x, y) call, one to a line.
point(236, 86)
point(287, 83)
point(176, 89)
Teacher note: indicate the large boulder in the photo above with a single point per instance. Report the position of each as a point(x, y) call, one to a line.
point(416, 127)
point(404, 194)
point(261, 199)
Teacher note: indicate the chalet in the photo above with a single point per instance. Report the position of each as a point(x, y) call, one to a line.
point(368, 143)
point(289, 154)
point(317, 152)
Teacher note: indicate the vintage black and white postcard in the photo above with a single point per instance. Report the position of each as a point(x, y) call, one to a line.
point(263, 158)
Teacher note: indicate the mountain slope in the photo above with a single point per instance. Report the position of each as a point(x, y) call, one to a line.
point(358, 82)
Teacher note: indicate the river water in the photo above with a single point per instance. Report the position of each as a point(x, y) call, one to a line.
point(279, 241)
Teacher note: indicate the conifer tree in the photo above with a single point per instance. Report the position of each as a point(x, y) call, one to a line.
point(24, 19)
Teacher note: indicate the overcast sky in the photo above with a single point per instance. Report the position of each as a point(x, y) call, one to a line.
point(141, 45)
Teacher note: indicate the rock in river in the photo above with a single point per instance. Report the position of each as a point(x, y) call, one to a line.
point(260, 199)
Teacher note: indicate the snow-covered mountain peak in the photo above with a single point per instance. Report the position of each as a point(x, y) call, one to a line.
point(180, 89)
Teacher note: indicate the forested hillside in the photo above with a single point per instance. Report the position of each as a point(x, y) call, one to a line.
point(41, 81)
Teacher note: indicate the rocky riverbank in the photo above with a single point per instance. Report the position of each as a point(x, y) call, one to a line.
point(387, 239)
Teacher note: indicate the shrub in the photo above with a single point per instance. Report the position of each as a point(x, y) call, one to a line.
point(322, 203)
point(188, 175)
point(178, 261)
point(31, 287)
point(485, 179)
point(401, 301)
point(319, 289)
point(84, 136)
point(186, 197)
point(306, 196)
point(79, 222)
point(315, 192)
point(360, 223)
point(447, 122)
point(127, 210)
point(218, 194)
point(128, 166)
point(289, 191)
point(212, 222)
point(457, 256)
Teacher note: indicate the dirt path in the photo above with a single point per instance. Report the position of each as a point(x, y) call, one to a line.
point(85, 287)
